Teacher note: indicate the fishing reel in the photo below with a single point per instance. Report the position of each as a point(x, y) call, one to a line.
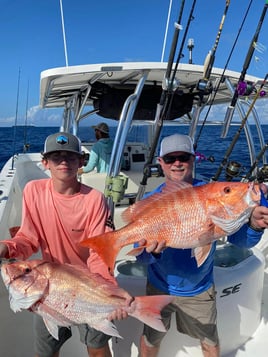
point(169, 85)
point(262, 174)
point(233, 169)
point(204, 86)
point(199, 157)
point(247, 88)
point(153, 170)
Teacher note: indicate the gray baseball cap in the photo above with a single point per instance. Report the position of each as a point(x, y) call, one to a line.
point(62, 142)
point(176, 142)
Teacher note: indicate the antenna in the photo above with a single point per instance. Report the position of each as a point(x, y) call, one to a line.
point(63, 32)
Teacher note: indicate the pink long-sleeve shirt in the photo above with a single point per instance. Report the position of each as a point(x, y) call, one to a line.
point(57, 223)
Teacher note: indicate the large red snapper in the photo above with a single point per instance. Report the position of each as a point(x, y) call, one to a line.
point(189, 217)
point(66, 295)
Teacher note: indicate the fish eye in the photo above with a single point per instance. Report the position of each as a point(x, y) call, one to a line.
point(27, 270)
point(227, 189)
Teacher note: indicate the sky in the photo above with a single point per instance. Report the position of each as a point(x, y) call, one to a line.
point(105, 31)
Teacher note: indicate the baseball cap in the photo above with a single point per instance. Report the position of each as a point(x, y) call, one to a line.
point(62, 142)
point(176, 142)
point(103, 127)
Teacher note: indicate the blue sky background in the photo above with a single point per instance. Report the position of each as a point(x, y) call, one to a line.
point(31, 41)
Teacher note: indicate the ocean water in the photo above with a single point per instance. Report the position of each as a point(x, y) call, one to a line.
point(13, 140)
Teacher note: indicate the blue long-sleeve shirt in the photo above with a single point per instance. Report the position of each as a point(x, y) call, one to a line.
point(100, 156)
point(175, 272)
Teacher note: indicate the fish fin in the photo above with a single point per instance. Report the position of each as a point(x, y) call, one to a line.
point(52, 315)
point(52, 327)
point(173, 186)
point(201, 254)
point(106, 246)
point(148, 310)
point(230, 226)
point(134, 211)
point(107, 327)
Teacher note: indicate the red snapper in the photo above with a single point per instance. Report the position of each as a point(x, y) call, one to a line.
point(66, 295)
point(183, 217)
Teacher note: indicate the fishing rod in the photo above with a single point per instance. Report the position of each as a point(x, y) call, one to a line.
point(178, 27)
point(204, 84)
point(173, 83)
point(230, 109)
point(169, 83)
point(210, 58)
point(236, 137)
point(164, 104)
point(160, 107)
point(190, 18)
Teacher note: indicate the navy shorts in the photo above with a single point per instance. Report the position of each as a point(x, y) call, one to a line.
point(46, 345)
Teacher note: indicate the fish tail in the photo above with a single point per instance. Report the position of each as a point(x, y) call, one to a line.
point(105, 246)
point(148, 310)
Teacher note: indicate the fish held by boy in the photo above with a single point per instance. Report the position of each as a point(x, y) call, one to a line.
point(183, 216)
point(66, 295)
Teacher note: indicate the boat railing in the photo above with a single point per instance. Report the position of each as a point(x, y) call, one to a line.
point(27, 168)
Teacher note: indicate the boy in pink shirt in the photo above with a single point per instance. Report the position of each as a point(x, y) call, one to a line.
point(58, 213)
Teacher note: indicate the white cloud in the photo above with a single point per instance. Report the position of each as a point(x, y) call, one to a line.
point(36, 116)
point(52, 117)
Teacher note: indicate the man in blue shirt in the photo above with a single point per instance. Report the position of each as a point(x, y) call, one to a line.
point(175, 272)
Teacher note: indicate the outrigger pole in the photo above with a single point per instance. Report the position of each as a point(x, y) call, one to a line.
point(16, 121)
point(230, 109)
point(64, 35)
point(165, 37)
point(236, 137)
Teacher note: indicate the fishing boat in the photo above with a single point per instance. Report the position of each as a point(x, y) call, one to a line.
point(152, 95)
point(130, 94)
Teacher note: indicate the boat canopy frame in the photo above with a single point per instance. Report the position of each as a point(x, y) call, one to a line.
point(78, 88)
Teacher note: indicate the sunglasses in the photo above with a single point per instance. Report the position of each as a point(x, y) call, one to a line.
point(170, 159)
point(58, 157)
